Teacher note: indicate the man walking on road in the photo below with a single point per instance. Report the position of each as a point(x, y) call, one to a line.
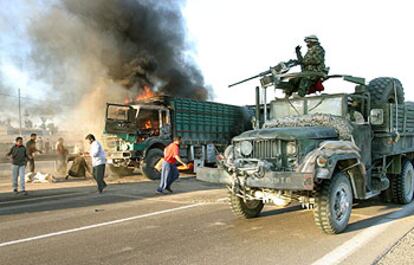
point(31, 150)
point(98, 161)
point(19, 156)
point(169, 171)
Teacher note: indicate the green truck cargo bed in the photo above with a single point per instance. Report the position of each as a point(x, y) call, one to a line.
point(207, 122)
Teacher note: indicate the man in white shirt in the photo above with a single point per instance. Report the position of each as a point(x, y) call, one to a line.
point(98, 161)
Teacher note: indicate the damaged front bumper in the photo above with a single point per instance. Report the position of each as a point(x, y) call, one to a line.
point(271, 179)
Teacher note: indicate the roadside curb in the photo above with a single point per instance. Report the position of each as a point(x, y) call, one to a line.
point(360, 249)
point(391, 256)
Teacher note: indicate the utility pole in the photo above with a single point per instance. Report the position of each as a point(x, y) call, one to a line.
point(20, 116)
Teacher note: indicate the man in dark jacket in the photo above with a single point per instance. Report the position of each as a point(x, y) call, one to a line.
point(31, 150)
point(62, 154)
point(19, 156)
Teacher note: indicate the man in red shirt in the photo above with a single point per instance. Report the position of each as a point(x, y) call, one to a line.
point(169, 171)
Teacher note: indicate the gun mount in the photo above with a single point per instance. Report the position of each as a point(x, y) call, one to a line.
point(272, 74)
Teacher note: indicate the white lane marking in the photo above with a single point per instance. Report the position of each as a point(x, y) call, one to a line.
point(44, 197)
point(83, 228)
point(343, 251)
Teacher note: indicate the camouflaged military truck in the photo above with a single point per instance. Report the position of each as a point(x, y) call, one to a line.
point(325, 152)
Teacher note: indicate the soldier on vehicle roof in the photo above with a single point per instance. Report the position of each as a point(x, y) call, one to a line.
point(313, 61)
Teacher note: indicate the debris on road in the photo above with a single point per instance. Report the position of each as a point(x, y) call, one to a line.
point(39, 177)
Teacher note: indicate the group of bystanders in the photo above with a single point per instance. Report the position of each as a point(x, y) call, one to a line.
point(22, 156)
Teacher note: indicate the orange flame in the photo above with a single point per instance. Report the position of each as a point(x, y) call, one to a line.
point(148, 124)
point(145, 93)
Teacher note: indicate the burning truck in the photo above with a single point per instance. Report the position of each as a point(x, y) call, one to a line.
point(136, 133)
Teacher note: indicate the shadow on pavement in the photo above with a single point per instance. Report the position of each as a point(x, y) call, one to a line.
point(281, 211)
point(366, 222)
point(377, 219)
point(76, 197)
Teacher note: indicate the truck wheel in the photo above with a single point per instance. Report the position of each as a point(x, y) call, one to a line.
point(333, 204)
point(150, 160)
point(245, 210)
point(382, 90)
point(386, 195)
point(120, 171)
point(403, 184)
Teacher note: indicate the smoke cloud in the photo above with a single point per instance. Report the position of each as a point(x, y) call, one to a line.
point(83, 54)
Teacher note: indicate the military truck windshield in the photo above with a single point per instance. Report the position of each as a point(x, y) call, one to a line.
point(333, 105)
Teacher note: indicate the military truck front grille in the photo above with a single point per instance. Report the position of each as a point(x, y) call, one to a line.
point(267, 149)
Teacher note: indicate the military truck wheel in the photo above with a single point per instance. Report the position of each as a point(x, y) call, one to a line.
point(120, 171)
point(148, 165)
point(245, 210)
point(333, 204)
point(382, 90)
point(403, 184)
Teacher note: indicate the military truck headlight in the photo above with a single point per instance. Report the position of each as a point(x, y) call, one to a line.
point(237, 150)
point(246, 148)
point(291, 148)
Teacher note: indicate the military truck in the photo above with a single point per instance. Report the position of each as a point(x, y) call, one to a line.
point(323, 151)
point(136, 134)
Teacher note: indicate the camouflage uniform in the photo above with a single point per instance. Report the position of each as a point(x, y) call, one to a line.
point(313, 61)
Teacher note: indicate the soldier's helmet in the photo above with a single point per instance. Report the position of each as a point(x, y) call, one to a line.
point(311, 38)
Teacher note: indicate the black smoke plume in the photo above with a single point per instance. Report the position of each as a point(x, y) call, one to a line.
point(132, 42)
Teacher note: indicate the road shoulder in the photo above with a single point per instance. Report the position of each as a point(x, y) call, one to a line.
point(401, 253)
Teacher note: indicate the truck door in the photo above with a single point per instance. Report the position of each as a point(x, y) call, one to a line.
point(120, 119)
point(363, 139)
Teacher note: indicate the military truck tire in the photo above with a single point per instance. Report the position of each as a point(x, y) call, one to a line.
point(382, 90)
point(333, 204)
point(387, 195)
point(245, 210)
point(150, 160)
point(120, 171)
point(403, 184)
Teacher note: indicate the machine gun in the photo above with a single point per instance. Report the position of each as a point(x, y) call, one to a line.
point(275, 71)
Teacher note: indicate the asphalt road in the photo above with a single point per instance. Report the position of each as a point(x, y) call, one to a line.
point(69, 223)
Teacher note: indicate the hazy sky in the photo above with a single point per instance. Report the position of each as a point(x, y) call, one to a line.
point(236, 39)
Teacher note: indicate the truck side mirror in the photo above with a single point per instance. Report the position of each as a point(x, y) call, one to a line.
point(132, 113)
point(376, 116)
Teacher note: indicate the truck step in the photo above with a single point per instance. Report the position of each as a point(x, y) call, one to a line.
point(371, 194)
